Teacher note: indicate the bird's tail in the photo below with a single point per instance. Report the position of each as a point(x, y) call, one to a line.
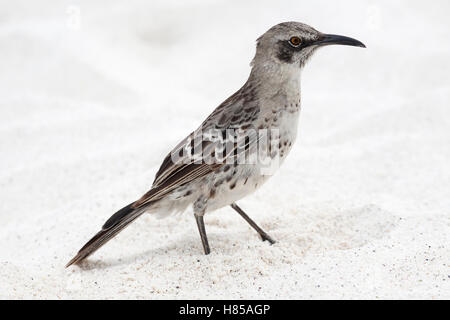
point(112, 227)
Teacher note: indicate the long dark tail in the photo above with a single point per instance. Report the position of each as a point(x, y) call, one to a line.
point(111, 228)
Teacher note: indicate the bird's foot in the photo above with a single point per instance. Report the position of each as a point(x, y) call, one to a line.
point(266, 237)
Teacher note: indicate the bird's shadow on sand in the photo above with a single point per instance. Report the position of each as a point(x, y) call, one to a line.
point(154, 253)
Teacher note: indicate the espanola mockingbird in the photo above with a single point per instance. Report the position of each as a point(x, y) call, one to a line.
point(227, 157)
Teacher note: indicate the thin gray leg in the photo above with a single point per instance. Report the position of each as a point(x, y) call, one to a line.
point(201, 229)
point(262, 233)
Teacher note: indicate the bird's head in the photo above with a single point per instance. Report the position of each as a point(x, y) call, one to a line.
point(292, 43)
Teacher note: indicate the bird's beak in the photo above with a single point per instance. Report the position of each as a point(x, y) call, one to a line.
point(329, 39)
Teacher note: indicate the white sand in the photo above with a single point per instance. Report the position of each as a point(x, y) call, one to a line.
point(361, 208)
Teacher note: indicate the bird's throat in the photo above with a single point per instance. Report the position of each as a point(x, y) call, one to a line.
point(274, 79)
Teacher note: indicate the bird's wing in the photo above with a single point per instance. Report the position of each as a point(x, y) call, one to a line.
point(181, 167)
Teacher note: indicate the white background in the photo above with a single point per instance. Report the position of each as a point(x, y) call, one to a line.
point(93, 95)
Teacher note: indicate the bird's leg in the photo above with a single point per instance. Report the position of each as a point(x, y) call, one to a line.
point(201, 229)
point(261, 232)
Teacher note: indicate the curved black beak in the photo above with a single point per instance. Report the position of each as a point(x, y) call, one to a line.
point(329, 39)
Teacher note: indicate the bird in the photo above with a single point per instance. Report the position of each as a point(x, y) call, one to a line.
point(240, 144)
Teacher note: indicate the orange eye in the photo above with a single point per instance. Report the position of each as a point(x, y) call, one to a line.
point(295, 41)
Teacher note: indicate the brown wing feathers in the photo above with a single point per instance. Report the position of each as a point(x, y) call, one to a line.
point(170, 176)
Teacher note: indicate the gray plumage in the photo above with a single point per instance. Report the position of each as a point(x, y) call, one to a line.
point(205, 169)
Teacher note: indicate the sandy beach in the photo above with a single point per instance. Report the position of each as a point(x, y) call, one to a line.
point(95, 94)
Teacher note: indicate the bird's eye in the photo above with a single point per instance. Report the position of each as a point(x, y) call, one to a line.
point(295, 41)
